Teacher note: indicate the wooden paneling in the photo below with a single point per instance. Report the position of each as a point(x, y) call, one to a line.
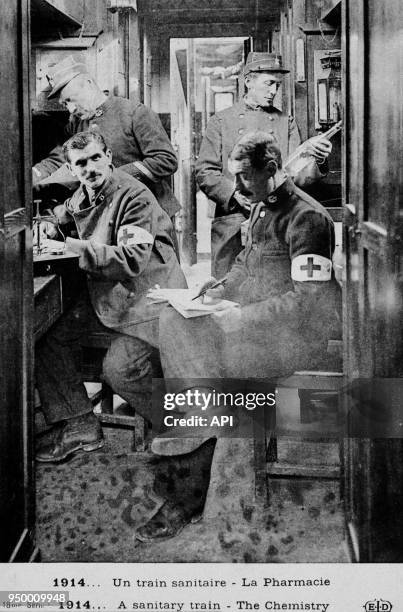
point(373, 298)
point(197, 11)
point(300, 21)
point(16, 466)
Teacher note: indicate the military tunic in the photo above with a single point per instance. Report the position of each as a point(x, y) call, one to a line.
point(125, 248)
point(223, 131)
point(139, 145)
point(288, 314)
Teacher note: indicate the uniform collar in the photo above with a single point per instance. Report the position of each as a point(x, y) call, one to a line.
point(253, 106)
point(104, 107)
point(282, 193)
point(109, 187)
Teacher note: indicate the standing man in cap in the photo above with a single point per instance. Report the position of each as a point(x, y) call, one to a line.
point(264, 75)
point(132, 131)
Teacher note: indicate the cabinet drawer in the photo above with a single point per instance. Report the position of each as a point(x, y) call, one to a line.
point(48, 303)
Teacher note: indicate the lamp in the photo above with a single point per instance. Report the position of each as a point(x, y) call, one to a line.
point(329, 90)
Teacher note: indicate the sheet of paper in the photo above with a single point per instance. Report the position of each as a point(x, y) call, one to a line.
point(182, 301)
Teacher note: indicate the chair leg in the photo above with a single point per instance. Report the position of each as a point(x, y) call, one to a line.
point(107, 399)
point(140, 434)
point(260, 454)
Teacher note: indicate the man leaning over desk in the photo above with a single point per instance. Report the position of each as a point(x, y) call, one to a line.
point(131, 130)
point(125, 247)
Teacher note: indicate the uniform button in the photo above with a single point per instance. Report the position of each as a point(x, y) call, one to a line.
point(271, 131)
point(110, 222)
point(262, 214)
point(110, 205)
point(131, 294)
point(271, 118)
point(240, 131)
point(101, 197)
point(119, 186)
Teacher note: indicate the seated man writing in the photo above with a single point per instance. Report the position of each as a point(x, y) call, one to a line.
point(125, 247)
point(289, 303)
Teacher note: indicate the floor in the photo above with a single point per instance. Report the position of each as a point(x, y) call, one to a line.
point(89, 508)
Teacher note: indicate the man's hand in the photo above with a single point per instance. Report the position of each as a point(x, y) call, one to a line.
point(230, 319)
point(49, 229)
point(36, 177)
point(319, 147)
point(76, 245)
point(211, 296)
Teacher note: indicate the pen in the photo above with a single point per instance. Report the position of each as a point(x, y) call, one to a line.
point(217, 284)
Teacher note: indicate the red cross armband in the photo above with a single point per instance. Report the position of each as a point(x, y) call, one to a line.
point(311, 268)
point(130, 235)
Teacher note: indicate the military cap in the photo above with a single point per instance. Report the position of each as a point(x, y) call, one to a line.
point(62, 73)
point(263, 62)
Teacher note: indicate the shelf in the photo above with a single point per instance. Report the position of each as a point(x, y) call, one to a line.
point(48, 21)
point(331, 12)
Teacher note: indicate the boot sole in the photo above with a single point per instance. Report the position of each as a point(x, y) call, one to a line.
point(147, 540)
point(195, 519)
point(87, 448)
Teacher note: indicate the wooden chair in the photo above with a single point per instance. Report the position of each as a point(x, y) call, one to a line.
point(328, 381)
point(91, 353)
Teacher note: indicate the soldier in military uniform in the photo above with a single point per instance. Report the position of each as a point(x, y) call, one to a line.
point(125, 247)
point(257, 111)
point(289, 307)
point(131, 130)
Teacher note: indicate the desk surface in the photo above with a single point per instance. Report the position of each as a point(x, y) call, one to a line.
point(50, 252)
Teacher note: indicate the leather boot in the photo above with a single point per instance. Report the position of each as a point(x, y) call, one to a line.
point(82, 433)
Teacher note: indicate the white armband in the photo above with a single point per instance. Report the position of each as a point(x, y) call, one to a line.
point(311, 267)
point(129, 235)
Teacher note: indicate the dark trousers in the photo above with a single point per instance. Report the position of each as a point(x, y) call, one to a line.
point(197, 348)
point(126, 367)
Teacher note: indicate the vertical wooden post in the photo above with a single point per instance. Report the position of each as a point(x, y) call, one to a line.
point(16, 315)
point(190, 218)
point(147, 63)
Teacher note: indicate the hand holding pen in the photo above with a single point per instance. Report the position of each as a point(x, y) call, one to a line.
point(212, 289)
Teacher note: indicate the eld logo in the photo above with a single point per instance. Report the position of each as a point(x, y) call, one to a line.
point(378, 605)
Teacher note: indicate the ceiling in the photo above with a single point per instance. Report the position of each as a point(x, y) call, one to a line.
point(211, 11)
